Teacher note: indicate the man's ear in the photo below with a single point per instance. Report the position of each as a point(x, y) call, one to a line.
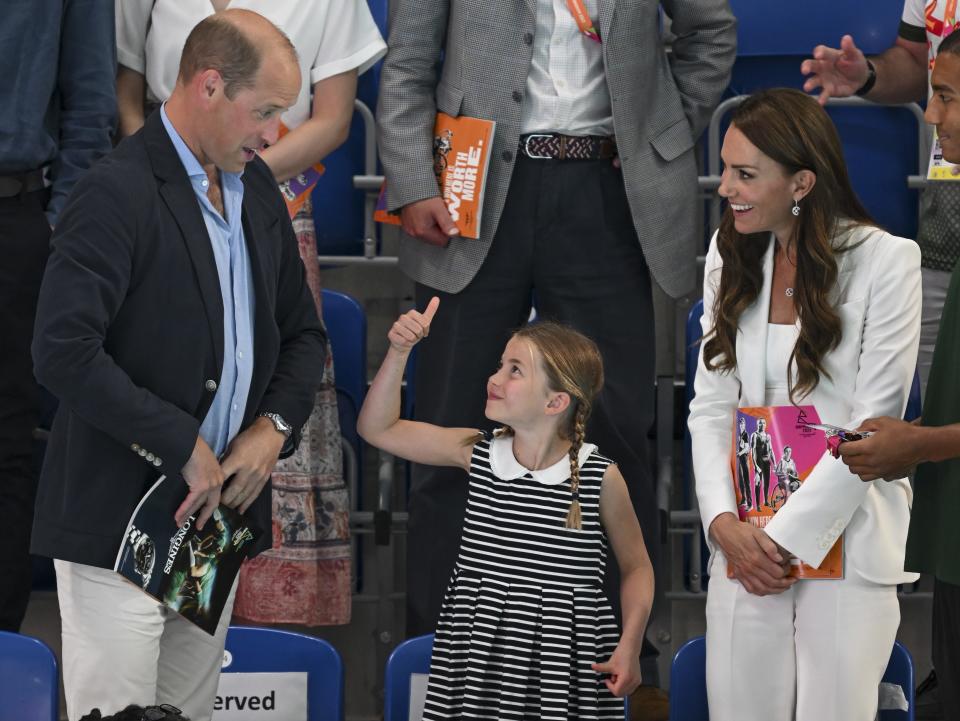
point(557, 403)
point(208, 83)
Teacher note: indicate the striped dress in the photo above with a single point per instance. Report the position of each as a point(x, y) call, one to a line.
point(525, 614)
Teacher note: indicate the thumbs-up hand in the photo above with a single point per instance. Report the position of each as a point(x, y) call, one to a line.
point(412, 327)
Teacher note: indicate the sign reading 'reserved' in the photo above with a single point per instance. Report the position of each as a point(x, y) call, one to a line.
point(261, 696)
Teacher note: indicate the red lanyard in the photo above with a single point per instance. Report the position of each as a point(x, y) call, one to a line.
point(579, 12)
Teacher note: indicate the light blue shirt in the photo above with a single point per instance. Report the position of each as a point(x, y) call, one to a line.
point(236, 286)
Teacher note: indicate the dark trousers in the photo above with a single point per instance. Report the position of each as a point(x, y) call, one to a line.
point(566, 237)
point(761, 480)
point(946, 647)
point(24, 246)
point(743, 478)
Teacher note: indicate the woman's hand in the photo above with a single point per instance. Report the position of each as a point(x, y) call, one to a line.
point(752, 556)
point(412, 327)
point(623, 666)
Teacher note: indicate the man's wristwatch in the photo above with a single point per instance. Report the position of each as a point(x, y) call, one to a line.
point(279, 423)
point(871, 80)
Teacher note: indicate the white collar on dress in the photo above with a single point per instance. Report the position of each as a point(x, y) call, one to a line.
point(505, 465)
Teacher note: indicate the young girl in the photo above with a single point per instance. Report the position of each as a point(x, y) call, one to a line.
point(525, 630)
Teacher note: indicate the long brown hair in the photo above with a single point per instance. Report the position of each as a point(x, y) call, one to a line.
point(792, 129)
point(572, 365)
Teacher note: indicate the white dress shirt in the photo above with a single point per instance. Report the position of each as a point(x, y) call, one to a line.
point(566, 89)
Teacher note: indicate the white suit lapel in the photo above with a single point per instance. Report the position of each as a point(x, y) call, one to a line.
point(752, 339)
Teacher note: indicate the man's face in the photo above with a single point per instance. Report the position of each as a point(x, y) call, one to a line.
point(943, 108)
point(237, 129)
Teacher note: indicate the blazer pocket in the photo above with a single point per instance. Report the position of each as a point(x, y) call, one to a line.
point(449, 99)
point(673, 142)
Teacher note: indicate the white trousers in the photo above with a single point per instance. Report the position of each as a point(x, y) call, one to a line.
point(122, 647)
point(816, 652)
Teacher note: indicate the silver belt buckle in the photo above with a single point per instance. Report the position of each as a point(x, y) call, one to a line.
point(526, 146)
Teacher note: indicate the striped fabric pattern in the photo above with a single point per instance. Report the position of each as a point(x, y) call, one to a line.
point(525, 614)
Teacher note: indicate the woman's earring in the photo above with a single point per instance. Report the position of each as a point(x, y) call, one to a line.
point(796, 207)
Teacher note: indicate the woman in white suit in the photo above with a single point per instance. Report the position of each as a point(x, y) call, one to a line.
point(806, 302)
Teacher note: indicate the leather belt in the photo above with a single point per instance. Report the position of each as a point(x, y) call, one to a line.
point(554, 146)
point(20, 183)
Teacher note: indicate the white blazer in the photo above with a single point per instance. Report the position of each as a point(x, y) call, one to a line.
point(878, 300)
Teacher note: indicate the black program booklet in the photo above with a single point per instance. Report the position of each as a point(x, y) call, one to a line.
point(187, 570)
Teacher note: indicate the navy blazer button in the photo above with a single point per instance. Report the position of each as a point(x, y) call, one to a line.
point(157, 462)
point(210, 385)
point(150, 457)
point(134, 447)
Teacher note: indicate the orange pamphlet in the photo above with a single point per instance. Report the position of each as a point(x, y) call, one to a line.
point(461, 156)
point(297, 189)
point(774, 450)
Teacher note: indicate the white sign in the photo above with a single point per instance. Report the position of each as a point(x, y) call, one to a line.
point(418, 694)
point(261, 696)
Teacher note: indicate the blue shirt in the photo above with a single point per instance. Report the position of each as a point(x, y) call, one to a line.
point(58, 88)
point(236, 286)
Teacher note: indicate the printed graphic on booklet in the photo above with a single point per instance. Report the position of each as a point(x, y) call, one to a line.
point(187, 570)
point(774, 451)
point(461, 158)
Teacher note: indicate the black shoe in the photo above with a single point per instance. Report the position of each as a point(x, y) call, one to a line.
point(927, 702)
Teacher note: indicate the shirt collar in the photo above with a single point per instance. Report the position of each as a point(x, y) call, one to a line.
point(187, 158)
point(505, 465)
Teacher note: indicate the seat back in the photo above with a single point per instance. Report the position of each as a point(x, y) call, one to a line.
point(410, 657)
point(346, 325)
point(28, 679)
point(900, 672)
point(267, 650)
point(688, 682)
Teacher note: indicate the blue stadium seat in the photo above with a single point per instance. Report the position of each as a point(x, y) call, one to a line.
point(346, 325)
point(267, 650)
point(410, 657)
point(28, 679)
point(688, 682)
point(338, 208)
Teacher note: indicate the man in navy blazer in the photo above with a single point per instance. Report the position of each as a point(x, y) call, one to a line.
point(176, 327)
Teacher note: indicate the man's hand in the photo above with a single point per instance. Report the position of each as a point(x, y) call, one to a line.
point(890, 453)
point(838, 72)
point(623, 666)
point(752, 556)
point(429, 220)
point(248, 463)
point(204, 477)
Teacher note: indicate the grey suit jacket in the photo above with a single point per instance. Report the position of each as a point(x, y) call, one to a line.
point(660, 103)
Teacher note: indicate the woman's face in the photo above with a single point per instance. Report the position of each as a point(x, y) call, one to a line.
point(758, 189)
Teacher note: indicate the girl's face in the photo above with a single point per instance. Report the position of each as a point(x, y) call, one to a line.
point(757, 188)
point(517, 392)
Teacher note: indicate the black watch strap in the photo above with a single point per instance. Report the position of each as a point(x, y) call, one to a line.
point(871, 80)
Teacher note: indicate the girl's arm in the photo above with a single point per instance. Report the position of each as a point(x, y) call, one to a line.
point(380, 424)
point(636, 582)
point(323, 132)
point(131, 90)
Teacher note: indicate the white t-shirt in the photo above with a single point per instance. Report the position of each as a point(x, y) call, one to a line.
point(331, 37)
